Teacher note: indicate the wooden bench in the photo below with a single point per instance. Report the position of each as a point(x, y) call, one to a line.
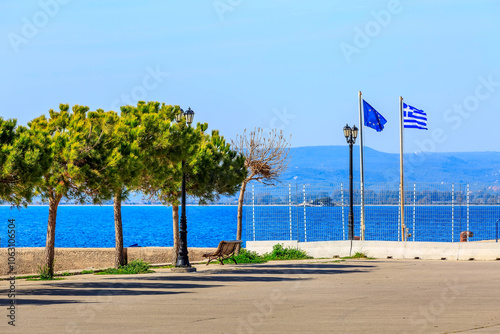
point(224, 251)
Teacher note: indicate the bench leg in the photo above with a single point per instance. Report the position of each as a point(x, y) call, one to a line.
point(210, 259)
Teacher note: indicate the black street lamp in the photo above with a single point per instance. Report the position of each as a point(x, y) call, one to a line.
point(183, 259)
point(350, 135)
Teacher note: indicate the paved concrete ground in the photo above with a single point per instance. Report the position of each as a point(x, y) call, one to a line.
point(314, 296)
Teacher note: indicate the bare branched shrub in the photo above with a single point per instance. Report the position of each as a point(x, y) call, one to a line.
point(266, 158)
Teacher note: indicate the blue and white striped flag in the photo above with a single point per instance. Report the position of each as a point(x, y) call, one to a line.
point(414, 118)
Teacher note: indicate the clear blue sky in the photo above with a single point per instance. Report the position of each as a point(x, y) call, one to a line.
point(240, 64)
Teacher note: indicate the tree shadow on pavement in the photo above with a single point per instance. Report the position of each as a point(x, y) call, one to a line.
point(40, 302)
point(301, 269)
point(103, 290)
point(219, 276)
point(263, 272)
point(166, 283)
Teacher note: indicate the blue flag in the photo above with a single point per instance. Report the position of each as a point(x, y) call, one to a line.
point(373, 119)
point(414, 118)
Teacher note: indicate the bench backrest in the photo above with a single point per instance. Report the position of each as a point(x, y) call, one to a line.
point(227, 247)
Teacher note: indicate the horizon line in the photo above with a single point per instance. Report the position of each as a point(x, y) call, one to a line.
point(421, 152)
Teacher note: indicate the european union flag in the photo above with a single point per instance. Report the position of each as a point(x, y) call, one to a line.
point(373, 119)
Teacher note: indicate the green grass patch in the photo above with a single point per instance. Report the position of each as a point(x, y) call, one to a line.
point(134, 267)
point(87, 272)
point(358, 255)
point(166, 267)
point(27, 277)
point(43, 275)
point(45, 279)
point(334, 261)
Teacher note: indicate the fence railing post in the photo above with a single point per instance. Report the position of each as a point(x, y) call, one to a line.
point(290, 208)
point(468, 212)
point(253, 212)
point(343, 217)
point(414, 206)
point(460, 205)
point(496, 234)
point(305, 219)
point(452, 212)
point(399, 212)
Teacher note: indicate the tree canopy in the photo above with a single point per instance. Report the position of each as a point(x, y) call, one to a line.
point(24, 158)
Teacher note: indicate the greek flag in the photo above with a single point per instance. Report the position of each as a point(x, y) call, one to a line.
point(414, 118)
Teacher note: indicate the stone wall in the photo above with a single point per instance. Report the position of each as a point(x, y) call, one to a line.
point(486, 251)
point(27, 260)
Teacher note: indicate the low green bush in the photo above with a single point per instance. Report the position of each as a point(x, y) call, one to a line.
point(44, 273)
point(279, 253)
point(246, 256)
point(286, 253)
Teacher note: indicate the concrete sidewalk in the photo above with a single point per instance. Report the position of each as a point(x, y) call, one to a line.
point(313, 296)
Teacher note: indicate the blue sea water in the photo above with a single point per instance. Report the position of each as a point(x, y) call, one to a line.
point(93, 226)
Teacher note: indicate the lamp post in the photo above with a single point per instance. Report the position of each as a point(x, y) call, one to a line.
point(350, 135)
point(183, 259)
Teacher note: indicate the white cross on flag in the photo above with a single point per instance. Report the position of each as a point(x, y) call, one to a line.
point(414, 118)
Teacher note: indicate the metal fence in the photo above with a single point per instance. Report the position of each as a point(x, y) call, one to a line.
point(319, 212)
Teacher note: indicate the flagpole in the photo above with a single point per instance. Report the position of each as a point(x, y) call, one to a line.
point(403, 237)
point(361, 170)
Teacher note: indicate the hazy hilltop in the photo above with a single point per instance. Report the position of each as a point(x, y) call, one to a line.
point(329, 164)
point(318, 164)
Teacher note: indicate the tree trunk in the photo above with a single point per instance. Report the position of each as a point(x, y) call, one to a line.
point(175, 219)
point(240, 212)
point(117, 208)
point(51, 234)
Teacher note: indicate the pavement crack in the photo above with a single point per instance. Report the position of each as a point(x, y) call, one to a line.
point(472, 329)
point(200, 320)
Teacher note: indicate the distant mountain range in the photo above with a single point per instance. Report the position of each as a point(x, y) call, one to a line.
point(325, 164)
point(329, 164)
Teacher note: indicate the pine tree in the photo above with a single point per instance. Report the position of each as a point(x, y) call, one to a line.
point(72, 137)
